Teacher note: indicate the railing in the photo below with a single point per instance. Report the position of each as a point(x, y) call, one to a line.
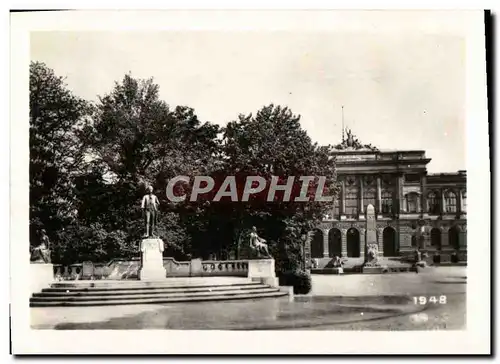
point(224, 268)
point(177, 269)
point(80, 271)
point(120, 269)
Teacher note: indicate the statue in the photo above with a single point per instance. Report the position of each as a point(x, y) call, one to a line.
point(372, 255)
point(419, 261)
point(352, 143)
point(338, 262)
point(350, 138)
point(149, 207)
point(41, 253)
point(258, 244)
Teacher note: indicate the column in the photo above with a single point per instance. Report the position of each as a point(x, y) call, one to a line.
point(326, 253)
point(380, 241)
point(362, 242)
point(462, 240)
point(399, 193)
point(459, 202)
point(427, 236)
point(342, 199)
point(307, 250)
point(405, 234)
point(423, 189)
point(361, 204)
point(379, 196)
point(442, 202)
point(462, 237)
point(343, 233)
point(445, 257)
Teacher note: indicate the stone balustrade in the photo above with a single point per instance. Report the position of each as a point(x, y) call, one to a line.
point(224, 268)
point(128, 269)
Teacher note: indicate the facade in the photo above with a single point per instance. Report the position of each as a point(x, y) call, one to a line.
point(413, 208)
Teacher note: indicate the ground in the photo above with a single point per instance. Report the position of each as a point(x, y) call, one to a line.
point(350, 302)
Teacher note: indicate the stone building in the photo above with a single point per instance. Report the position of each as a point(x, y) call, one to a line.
point(413, 208)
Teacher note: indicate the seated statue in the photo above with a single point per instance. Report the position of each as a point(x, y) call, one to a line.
point(41, 253)
point(338, 263)
point(420, 258)
point(258, 244)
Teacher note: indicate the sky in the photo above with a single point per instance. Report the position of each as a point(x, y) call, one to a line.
point(402, 92)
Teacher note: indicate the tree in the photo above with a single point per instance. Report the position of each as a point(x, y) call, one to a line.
point(135, 140)
point(56, 154)
point(272, 143)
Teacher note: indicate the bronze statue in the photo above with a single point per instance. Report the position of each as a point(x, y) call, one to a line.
point(149, 207)
point(258, 244)
point(41, 253)
point(350, 138)
point(352, 143)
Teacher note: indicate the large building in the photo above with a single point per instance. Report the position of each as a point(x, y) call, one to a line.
point(413, 208)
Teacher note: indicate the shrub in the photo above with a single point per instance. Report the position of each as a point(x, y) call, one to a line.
point(300, 280)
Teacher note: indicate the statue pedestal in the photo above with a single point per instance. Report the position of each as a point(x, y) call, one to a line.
point(152, 268)
point(41, 276)
point(263, 270)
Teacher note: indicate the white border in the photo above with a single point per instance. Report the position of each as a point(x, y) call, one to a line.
point(475, 339)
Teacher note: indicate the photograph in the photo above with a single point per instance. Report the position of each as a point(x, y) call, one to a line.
point(251, 177)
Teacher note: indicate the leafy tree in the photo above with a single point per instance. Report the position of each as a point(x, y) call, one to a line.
point(136, 140)
point(56, 155)
point(272, 143)
point(90, 164)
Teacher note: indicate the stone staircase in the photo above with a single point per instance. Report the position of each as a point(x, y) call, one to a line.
point(170, 290)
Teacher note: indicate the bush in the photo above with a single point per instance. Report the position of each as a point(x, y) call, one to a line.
point(78, 243)
point(300, 280)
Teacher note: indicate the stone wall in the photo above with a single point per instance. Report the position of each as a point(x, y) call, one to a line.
point(121, 269)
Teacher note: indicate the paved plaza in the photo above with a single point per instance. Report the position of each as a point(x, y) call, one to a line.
point(349, 302)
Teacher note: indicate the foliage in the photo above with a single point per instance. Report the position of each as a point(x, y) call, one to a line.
point(56, 154)
point(272, 143)
point(90, 164)
point(136, 140)
point(299, 280)
point(77, 243)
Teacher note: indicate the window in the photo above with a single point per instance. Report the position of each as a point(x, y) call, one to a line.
point(370, 195)
point(433, 203)
point(412, 178)
point(451, 202)
point(412, 202)
point(464, 201)
point(386, 202)
point(351, 202)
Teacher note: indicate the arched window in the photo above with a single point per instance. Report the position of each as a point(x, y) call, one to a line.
point(450, 201)
point(386, 202)
point(436, 238)
point(433, 203)
point(412, 202)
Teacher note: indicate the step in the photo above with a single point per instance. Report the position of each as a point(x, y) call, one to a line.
point(100, 285)
point(159, 300)
point(120, 287)
point(147, 295)
point(147, 290)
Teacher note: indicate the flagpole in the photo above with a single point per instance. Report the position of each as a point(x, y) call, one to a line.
point(342, 123)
